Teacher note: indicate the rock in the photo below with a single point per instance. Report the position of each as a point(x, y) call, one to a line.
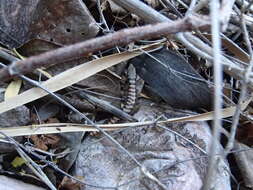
point(7, 183)
point(172, 78)
point(169, 157)
point(16, 117)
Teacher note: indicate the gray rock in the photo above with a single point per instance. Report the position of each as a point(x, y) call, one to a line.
point(16, 117)
point(166, 155)
point(8, 183)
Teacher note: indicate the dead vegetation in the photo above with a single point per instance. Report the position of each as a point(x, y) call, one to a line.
point(126, 94)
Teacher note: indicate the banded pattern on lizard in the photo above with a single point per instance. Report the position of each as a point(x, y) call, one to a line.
point(128, 89)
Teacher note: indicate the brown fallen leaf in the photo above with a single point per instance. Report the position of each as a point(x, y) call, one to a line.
point(69, 184)
point(44, 142)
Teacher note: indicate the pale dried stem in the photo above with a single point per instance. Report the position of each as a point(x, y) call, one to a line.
point(243, 92)
point(225, 12)
point(217, 124)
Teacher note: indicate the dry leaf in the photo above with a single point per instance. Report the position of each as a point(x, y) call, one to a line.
point(244, 160)
point(238, 52)
point(43, 142)
point(17, 162)
point(245, 134)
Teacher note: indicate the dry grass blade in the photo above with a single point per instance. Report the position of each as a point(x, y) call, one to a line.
point(68, 78)
point(69, 127)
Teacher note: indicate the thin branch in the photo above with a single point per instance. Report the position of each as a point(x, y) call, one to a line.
point(217, 124)
point(191, 7)
point(225, 12)
point(200, 5)
point(243, 92)
point(167, 3)
point(122, 37)
point(247, 4)
point(150, 15)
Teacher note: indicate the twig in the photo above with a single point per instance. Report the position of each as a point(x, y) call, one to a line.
point(236, 117)
point(150, 15)
point(244, 3)
point(191, 7)
point(102, 18)
point(182, 3)
point(167, 3)
point(225, 12)
point(217, 124)
point(122, 37)
point(200, 5)
point(31, 164)
point(106, 106)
